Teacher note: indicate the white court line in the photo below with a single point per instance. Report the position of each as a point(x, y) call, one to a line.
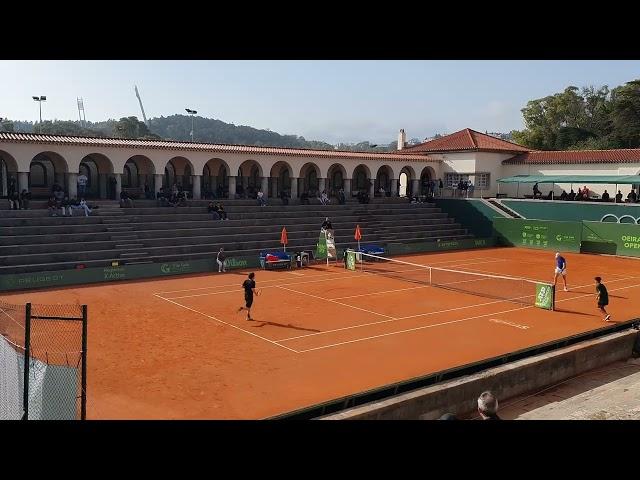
point(227, 285)
point(380, 293)
point(239, 287)
point(321, 275)
point(333, 276)
point(334, 301)
point(449, 323)
point(229, 324)
point(296, 273)
point(438, 312)
point(394, 319)
point(13, 319)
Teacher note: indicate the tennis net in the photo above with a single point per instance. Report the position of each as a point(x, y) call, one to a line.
point(500, 287)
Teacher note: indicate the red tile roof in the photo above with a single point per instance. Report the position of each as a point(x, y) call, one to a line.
point(631, 155)
point(9, 137)
point(466, 139)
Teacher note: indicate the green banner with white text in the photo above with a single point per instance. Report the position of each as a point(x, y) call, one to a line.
point(543, 234)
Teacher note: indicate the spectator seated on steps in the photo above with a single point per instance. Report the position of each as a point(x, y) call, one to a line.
point(25, 198)
point(260, 198)
point(221, 212)
point(52, 206)
point(342, 199)
point(125, 200)
point(284, 197)
point(182, 198)
point(324, 199)
point(213, 211)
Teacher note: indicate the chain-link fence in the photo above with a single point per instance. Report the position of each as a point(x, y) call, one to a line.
point(12, 347)
point(43, 361)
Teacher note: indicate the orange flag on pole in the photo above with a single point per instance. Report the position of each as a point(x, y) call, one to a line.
point(283, 238)
point(358, 235)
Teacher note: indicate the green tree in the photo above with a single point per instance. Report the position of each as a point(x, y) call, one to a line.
point(625, 115)
point(131, 127)
point(6, 125)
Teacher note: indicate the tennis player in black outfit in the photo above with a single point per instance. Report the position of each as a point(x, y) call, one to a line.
point(249, 286)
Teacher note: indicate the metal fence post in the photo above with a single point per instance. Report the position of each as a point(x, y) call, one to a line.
point(27, 355)
point(83, 412)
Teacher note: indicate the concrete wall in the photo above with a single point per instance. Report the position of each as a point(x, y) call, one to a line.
point(459, 396)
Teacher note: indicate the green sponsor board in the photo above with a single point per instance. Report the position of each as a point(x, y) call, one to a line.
point(419, 247)
point(59, 278)
point(321, 247)
point(544, 296)
point(351, 260)
point(543, 234)
point(611, 238)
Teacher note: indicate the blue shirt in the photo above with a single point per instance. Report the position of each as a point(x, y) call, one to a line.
point(561, 263)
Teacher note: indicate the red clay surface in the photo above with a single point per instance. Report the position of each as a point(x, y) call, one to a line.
point(178, 349)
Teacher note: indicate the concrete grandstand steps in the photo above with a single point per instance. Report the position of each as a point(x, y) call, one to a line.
point(150, 234)
point(17, 255)
point(169, 257)
point(120, 228)
point(133, 254)
point(108, 221)
point(311, 233)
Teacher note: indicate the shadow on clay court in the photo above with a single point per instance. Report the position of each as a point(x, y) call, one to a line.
point(282, 325)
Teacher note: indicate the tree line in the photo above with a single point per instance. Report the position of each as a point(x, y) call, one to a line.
point(583, 119)
point(178, 128)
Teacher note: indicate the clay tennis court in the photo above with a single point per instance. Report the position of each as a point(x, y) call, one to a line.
point(178, 348)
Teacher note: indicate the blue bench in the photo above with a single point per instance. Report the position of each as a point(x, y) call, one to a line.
point(283, 261)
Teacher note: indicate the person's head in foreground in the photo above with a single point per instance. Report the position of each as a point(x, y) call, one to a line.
point(598, 280)
point(251, 276)
point(557, 254)
point(448, 416)
point(488, 406)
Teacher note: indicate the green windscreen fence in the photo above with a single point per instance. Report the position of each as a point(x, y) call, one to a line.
point(586, 237)
point(611, 238)
point(543, 234)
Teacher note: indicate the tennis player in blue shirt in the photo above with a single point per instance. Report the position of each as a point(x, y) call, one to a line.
point(561, 269)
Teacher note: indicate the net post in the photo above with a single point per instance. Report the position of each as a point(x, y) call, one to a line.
point(27, 355)
point(553, 298)
point(83, 407)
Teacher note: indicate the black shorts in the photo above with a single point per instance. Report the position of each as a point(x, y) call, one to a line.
point(600, 305)
point(248, 301)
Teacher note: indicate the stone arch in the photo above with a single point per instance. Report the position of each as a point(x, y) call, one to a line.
point(137, 171)
point(215, 178)
point(47, 168)
point(384, 178)
point(336, 178)
point(280, 175)
point(8, 171)
point(97, 168)
point(250, 178)
point(426, 175)
point(361, 179)
point(407, 175)
point(179, 170)
point(310, 175)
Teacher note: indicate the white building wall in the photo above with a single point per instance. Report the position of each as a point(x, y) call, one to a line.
point(491, 163)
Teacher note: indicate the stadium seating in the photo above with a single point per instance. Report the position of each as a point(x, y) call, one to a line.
point(32, 241)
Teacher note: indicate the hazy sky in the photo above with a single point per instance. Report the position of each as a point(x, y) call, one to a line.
point(334, 101)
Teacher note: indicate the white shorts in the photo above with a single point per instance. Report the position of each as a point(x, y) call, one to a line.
point(561, 272)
